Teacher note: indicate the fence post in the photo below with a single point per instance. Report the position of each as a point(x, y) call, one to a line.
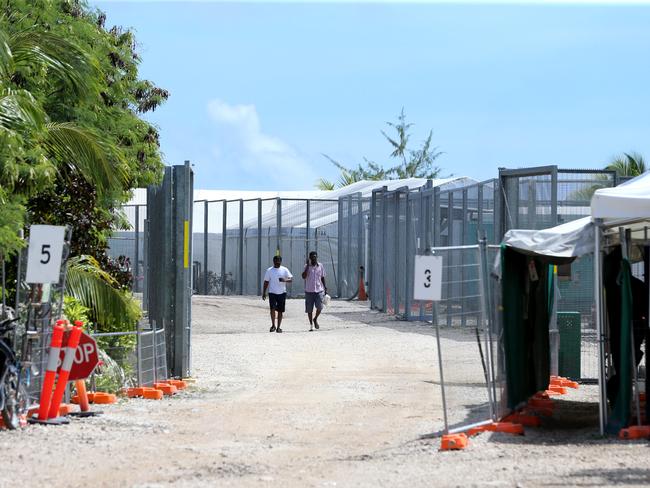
point(480, 229)
point(340, 247)
point(279, 225)
point(450, 242)
point(407, 253)
point(259, 247)
point(463, 290)
point(138, 352)
point(224, 241)
point(241, 247)
point(136, 256)
point(383, 223)
point(307, 228)
point(554, 183)
point(206, 209)
point(396, 297)
point(436, 216)
point(370, 273)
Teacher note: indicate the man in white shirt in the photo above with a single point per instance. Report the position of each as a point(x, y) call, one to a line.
point(275, 281)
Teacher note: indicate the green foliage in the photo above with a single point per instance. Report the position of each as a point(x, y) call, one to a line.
point(70, 126)
point(74, 310)
point(110, 308)
point(411, 163)
point(631, 164)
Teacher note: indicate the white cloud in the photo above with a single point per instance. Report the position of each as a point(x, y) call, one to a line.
point(240, 141)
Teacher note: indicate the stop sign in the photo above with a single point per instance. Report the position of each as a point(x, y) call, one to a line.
point(85, 358)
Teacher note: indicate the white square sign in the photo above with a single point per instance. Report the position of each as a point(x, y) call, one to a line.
point(428, 278)
point(44, 255)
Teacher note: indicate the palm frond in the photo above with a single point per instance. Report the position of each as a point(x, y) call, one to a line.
point(324, 184)
point(19, 109)
point(61, 57)
point(95, 289)
point(85, 153)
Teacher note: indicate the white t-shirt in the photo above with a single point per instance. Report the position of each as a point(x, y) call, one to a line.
point(273, 276)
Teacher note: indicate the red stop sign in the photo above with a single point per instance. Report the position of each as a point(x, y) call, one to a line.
point(86, 358)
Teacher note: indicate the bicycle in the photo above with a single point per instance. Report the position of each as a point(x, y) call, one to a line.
point(14, 378)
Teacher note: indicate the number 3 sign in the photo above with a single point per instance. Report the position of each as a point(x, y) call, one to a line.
point(428, 278)
point(44, 255)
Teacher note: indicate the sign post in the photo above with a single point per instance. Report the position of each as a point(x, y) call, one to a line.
point(428, 278)
point(427, 286)
point(44, 255)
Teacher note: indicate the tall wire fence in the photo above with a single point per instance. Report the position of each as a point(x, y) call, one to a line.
point(374, 239)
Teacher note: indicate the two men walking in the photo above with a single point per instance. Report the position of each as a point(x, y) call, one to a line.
point(275, 282)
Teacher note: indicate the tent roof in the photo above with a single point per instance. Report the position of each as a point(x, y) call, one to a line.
point(564, 241)
point(630, 200)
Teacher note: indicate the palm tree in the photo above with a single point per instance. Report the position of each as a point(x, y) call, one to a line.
point(628, 164)
point(325, 184)
point(95, 289)
point(33, 149)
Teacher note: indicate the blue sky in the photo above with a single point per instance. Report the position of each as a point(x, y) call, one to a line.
point(259, 91)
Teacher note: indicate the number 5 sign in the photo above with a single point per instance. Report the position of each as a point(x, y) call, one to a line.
point(44, 255)
point(428, 278)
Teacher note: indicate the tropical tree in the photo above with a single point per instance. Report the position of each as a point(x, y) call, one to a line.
point(34, 150)
point(411, 163)
point(628, 164)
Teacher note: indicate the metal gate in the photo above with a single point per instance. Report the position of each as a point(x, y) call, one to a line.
point(472, 380)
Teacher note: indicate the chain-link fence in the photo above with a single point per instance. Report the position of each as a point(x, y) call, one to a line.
point(539, 198)
point(235, 241)
point(471, 378)
point(406, 222)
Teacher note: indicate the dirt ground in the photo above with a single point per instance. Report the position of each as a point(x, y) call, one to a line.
point(353, 404)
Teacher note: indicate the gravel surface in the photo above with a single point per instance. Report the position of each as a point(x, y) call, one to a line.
point(353, 404)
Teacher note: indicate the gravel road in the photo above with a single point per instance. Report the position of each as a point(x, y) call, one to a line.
point(353, 404)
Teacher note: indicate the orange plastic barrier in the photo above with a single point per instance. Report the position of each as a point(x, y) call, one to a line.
point(50, 370)
point(70, 351)
point(526, 420)
point(635, 432)
point(453, 442)
point(505, 427)
point(152, 394)
point(179, 384)
point(165, 388)
point(104, 398)
point(82, 395)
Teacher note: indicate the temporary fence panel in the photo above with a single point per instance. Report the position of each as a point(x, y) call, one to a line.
point(293, 238)
point(199, 254)
point(233, 244)
point(215, 247)
point(119, 367)
point(251, 248)
point(467, 343)
point(543, 197)
point(127, 247)
point(323, 238)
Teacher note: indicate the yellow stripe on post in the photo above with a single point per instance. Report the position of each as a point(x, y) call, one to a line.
point(186, 245)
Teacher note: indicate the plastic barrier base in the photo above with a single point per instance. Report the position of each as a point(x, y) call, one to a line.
point(55, 421)
point(453, 442)
point(526, 420)
point(504, 427)
point(635, 432)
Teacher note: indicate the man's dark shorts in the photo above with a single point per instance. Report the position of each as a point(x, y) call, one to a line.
point(313, 299)
point(276, 302)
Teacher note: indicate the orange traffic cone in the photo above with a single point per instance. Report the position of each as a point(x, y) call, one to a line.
point(363, 296)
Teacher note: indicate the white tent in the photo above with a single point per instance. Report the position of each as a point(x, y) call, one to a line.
point(626, 206)
point(626, 203)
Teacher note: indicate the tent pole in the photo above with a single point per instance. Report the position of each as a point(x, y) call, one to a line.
point(598, 296)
